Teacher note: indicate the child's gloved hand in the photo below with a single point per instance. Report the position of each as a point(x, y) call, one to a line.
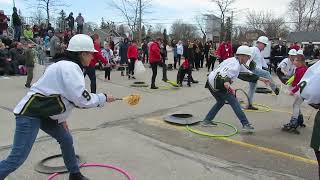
point(291, 93)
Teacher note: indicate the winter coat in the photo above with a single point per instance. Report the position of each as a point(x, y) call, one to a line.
point(154, 53)
point(132, 52)
point(123, 52)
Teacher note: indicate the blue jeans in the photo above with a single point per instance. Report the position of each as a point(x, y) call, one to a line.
point(17, 33)
point(221, 98)
point(27, 129)
point(252, 86)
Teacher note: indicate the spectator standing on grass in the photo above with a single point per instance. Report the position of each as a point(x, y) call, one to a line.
point(29, 64)
point(80, 22)
point(70, 20)
point(17, 24)
point(3, 22)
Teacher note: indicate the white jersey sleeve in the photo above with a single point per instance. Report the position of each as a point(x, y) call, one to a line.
point(74, 88)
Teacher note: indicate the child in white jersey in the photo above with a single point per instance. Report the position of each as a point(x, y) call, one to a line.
point(219, 84)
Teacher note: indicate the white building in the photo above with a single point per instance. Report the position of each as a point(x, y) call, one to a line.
point(213, 26)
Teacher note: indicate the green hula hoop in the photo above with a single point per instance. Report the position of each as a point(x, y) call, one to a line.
point(235, 131)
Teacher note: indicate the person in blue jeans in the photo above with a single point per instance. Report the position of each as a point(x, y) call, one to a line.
point(258, 66)
point(48, 104)
point(219, 84)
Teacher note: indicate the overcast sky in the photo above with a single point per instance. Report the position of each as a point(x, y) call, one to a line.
point(161, 12)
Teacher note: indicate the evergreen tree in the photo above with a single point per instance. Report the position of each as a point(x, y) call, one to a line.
point(165, 36)
point(103, 24)
point(228, 29)
point(62, 20)
point(143, 32)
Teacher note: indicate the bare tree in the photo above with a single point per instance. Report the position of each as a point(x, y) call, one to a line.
point(47, 6)
point(38, 17)
point(304, 13)
point(131, 10)
point(225, 8)
point(200, 20)
point(266, 21)
point(183, 31)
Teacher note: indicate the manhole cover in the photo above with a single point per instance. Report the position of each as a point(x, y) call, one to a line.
point(182, 115)
point(139, 82)
point(263, 90)
point(181, 119)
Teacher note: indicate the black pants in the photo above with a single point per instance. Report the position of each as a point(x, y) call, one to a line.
point(211, 62)
point(107, 73)
point(131, 66)
point(145, 57)
point(79, 29)
point(197, 61)
point(91, 72)
point(317, 153)
point(201, 60)
point(181, 73)
point(177, 60)
point(207, 57)
point(154, 67)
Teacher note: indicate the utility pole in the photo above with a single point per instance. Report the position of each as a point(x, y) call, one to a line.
point(140, 22)
point(231, 26)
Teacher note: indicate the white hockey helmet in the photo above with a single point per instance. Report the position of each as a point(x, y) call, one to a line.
point(81, 43)
point(293, 52)
point(244, 50)
point(263, 40)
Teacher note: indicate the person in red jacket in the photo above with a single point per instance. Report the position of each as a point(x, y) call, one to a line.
point(224, 51)
point(295, 46)
point(91, 69)
point(297, 117)
point(133, 56)
point(155, 60)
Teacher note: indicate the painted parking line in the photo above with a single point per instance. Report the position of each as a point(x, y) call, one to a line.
point(241, 143)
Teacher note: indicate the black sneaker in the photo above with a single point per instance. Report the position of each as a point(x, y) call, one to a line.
point(164, 80)
point(27, 86)
point(195, 82)
point(208, 124)
point(250, 107)
point(133, 77)
point(277, 91)
point(154, 87)
point(77, 176)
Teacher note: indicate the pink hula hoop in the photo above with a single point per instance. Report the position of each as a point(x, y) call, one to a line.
point(97, 165)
